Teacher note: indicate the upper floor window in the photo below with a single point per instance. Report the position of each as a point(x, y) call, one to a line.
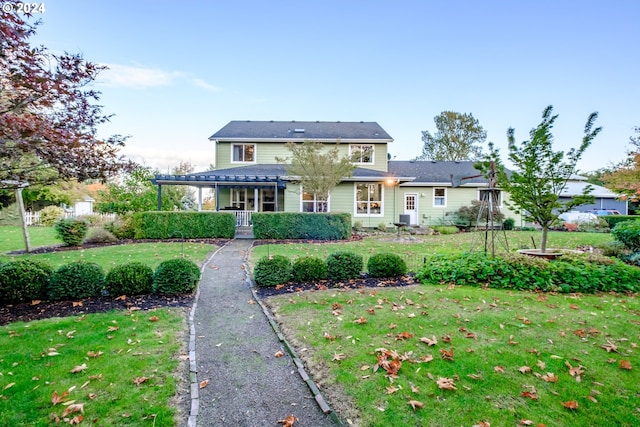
point(312, 203)
point(243, 153)
point(440, 197)
point(361, 153)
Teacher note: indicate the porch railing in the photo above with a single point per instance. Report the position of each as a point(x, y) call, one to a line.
point(243, 218)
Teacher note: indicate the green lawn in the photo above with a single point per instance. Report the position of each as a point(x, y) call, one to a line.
point(111, 369)
point(440, 356)
point(108, 256)
point(414, 251)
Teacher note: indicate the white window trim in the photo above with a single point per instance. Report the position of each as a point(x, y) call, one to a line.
point(433, 202)
point(500, 199)
point(373, 152)
point(255, 152)
point(302, 201)
point(355, 202)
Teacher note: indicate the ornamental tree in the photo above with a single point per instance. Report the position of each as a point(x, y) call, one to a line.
point(48, 114)
point(624, 178)
point(541, 173)
point(319, 169)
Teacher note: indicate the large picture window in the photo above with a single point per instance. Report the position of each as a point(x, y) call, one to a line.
point(311, 203)
point(361, 153)
point(243, 153)
point(369, 199)
point(440, 197)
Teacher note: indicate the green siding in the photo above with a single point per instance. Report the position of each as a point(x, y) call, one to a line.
point(267, 152)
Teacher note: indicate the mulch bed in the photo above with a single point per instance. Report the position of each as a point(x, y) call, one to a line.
point(323, 285)
point(37, 310)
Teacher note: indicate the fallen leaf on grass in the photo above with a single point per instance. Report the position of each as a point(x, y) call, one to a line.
point(430, 342)
point(339, 356)
point(80, 368)
point(575, 371)
point(447, 354)
point(610, 346)
point(446, 383)
point(625, 364)
point(404, 336)
point(360, 320)
point(76, 407)
point(94, 354)
point(550, 377)
point(529, 394)
point(76, 420)
point(55, 398)
point(204, 383)
point(416, 404)
point(572, 404)
point(279, 353)
point(9, 386)
point(524, 369)
point(153, 319)
point(139, 380)
point(288, 422)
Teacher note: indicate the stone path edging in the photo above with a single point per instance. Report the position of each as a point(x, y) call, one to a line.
point(193, 371)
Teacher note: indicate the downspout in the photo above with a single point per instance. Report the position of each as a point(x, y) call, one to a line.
point(159, 196)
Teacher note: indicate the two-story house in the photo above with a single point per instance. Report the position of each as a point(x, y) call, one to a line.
point(247, 177)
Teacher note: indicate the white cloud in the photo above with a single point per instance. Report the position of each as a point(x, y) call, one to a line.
point(165, 160)
point(204, 85)
point(136, 77)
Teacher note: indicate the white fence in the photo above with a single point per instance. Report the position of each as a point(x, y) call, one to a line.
point(243, 218)
point(33, 218)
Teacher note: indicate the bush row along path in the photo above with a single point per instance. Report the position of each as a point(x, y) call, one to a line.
point(236, 352)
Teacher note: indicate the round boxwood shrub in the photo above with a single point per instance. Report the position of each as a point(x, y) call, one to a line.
point(24, 280)
point(77, 280)
point(134, 278)
point(176, 276)
point(309, 269)
point(50, 214)
point(628, 232)
point(71, 231)
point(100, 235)
point(386, 265)
point(344, 265)
point(272, 271)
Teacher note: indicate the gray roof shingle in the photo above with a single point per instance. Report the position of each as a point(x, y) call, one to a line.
point(294, 130)
point(426, 171)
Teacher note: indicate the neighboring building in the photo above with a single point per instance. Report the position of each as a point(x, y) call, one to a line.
point(247, 177)
point(605, 199)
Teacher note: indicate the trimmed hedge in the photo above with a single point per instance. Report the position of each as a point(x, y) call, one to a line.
point(309, 269)
point(176, 276)
point(628, 233)
point(569, 273)
point(76, 280)
point(184, 225)
point(289, 225)
point(613, 220)
point(134, 278)
point(24, 280)
point(344, 265)
point(272, 271)
point(386, 265)
point(71, 231)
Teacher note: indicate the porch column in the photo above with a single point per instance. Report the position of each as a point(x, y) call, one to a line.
point(199, 199)
point(255, 199)
point(217, 197)
point(159, 197)
point(275, 200)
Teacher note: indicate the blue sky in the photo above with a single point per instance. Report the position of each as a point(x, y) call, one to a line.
point(180, 70)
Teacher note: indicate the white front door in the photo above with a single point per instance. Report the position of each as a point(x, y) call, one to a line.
point(411, 207)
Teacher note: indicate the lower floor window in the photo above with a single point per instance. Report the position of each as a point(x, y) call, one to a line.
point(368, 199)
point(312, 203)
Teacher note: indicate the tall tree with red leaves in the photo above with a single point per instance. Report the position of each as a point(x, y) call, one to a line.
point(48, 113)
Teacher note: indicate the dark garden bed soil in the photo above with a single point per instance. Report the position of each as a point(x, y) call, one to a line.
point(45, 309)
point(323, 285)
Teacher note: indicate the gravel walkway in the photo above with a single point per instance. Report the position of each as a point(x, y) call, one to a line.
point(233, 346)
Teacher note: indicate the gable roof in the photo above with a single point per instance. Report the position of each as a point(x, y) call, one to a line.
point(428, 172)
point(274, 131)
